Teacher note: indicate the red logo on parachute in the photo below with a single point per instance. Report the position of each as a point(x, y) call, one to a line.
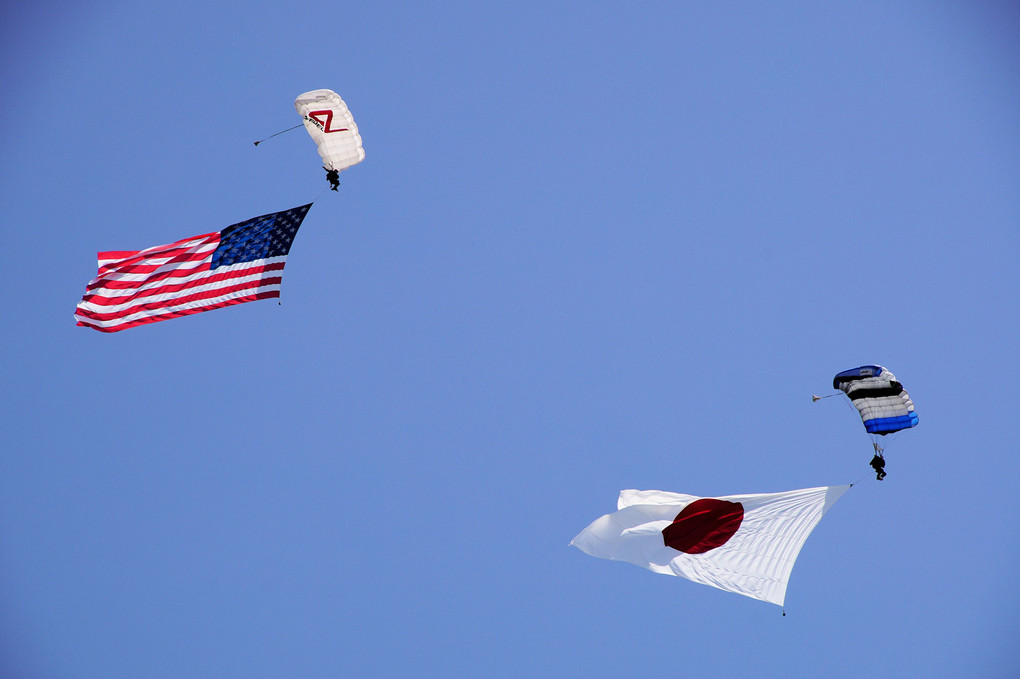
point(703, 525)
point(324, 119)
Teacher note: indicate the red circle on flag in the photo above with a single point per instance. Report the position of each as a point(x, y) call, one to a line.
point(703, 525)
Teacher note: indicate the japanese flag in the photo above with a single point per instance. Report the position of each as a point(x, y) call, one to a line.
point(740, 543)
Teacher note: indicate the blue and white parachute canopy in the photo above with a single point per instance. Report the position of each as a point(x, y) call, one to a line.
point(883, 403)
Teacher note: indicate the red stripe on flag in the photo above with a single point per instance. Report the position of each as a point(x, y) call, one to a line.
point(101, 299)
point(114, 259)
point(115, 283)
point(181, 299)
point(179, 313)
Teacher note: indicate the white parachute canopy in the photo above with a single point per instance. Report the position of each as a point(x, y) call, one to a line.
point(332, 128)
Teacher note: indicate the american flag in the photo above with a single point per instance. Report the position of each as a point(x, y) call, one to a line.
point(242, 263)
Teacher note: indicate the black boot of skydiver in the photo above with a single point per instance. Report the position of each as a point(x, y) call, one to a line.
point(878, 464)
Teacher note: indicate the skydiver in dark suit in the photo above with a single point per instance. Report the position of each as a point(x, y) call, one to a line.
point(333, 177)
point(878, 464)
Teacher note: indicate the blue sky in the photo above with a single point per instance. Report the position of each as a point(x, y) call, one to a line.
point(592, 247)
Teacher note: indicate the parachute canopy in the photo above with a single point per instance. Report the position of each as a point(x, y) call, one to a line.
point(884, 405)
point(332, 128)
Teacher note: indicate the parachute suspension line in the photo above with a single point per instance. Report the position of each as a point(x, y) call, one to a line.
point(873, 438)
point(301, 124)
point(319, 195)
point(858, 480)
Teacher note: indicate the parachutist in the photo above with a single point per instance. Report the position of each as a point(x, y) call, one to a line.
point(331, 126)
point(878, 464)
point(333, 177)
point(883, 403)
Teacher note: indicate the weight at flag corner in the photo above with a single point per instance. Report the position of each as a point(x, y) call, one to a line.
point(746, 544)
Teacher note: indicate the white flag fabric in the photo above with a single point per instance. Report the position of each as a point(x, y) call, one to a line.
point(739, 543)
